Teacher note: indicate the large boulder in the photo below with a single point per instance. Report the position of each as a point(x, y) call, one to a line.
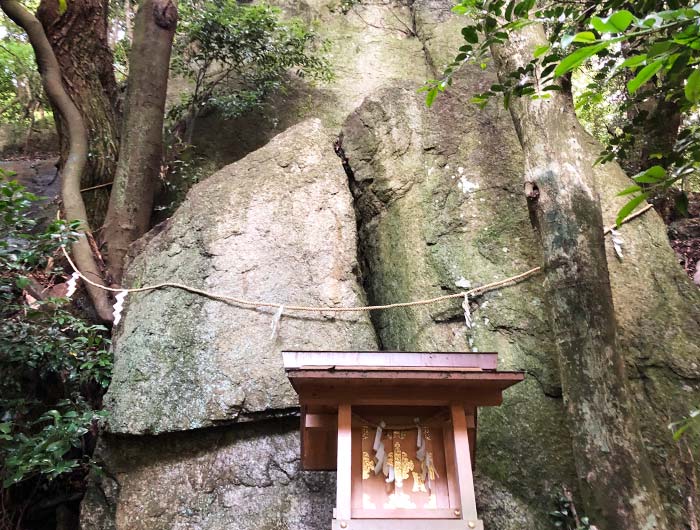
point(441, 209)
point(370, 46)
point(278, 226)
point(246, 478)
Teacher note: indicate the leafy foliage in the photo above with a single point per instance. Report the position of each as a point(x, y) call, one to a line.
point(649, 49)
point(565, 516)
point(237, 55)
point(54, 365)
point(21, 93)
point(688, 424)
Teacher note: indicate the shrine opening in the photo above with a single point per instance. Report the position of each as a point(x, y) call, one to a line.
point(400, 429)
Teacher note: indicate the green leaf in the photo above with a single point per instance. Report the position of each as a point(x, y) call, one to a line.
point(616, 23)
point(601, 26)
point(585, 36)
point(653, 175)
point(577, 58)
point(692, 86)
point(644, 75)
point(22, 282)
point(627, 208)
point(634, 61)
point(631, 189)
point(470, 35)
point(682, 204)
point(522, 8)
point(430, 97)
point(541, 50)
point(621, 20)
point(57, 447)
point(659, 47)
point(62, 6)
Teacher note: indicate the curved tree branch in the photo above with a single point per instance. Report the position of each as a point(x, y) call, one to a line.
point(73, 205)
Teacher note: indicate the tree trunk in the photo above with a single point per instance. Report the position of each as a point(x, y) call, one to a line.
point(128, 28)
point(79, 38)
point(131, 201)
point(617, 483)
point(76, 159)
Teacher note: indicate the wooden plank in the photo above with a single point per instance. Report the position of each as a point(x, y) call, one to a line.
point(452, 487)
point(417, 394)
point(472, 416)
point(488, 377)
point(463, 463)
point(297, 359)
point(326, 422)
point(418, 513)
point(397, 368)
point(405, 524)
point(344, 465)
point(356, 466)
point(319, 451)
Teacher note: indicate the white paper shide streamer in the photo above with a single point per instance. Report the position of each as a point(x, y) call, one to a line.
point(379, 451)
point(275, 324)
point(617, 242)
point(467, 311)
point(119, 306)
point(72, 284)
point(425, 458)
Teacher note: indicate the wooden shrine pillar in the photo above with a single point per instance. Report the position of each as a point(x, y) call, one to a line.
point(344, 468)
point(465, 476)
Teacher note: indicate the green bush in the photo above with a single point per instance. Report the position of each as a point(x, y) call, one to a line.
point(237, 55)
point(54, 364)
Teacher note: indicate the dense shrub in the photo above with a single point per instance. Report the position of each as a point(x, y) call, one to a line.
point(54, 365)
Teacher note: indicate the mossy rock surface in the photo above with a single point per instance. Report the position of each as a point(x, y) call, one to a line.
point(277, 226)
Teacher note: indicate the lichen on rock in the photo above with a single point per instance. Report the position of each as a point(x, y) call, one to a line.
point(277, 226)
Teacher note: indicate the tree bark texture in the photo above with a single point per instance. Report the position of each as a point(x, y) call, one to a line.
point(76, 159)
point(79, 38)
point(131, 201)
point(616, 480)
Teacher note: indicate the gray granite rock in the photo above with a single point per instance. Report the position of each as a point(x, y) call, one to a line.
point(277, 226)
point(247, 478)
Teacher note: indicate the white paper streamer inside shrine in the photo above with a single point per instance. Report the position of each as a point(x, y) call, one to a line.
point(403, 461)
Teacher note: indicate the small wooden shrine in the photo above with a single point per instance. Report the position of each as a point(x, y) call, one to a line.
point(400, 428)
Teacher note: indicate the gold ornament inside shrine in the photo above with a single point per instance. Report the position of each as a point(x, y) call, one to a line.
point(400, 428)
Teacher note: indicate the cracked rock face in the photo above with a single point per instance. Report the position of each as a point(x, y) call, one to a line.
point(200, 429)
point(246, 478)
point(276, 226)
point(438, 197)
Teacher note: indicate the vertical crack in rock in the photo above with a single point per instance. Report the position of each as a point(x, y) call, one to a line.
point(361, 272)
point(420, 35)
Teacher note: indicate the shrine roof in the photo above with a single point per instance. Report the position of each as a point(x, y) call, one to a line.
point(398, 377)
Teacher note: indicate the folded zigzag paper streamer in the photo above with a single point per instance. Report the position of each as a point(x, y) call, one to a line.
point(617, 242)
point(72, 284)
point(118, 306)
